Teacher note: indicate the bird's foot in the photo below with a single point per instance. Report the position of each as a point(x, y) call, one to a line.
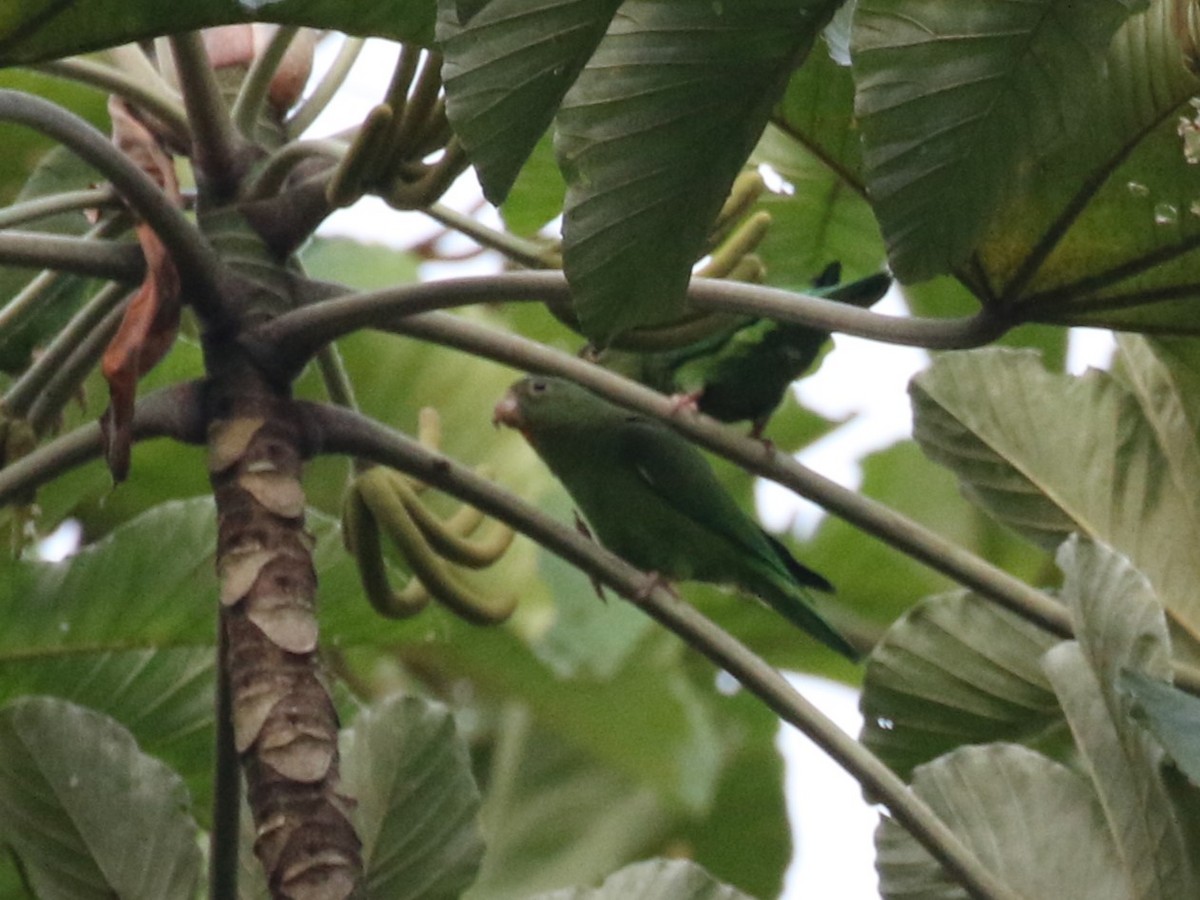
point(652, 581)
point(689, 401)
point(756, 432)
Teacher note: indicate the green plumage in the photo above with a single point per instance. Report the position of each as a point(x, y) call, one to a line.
point(743, 374)
point(652, 498)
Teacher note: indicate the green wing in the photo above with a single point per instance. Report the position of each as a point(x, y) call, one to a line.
point(679, 475)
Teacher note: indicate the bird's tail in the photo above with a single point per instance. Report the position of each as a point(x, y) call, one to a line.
point(794, 603)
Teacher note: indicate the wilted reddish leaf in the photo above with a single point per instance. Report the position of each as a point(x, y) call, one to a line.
point(151, 320)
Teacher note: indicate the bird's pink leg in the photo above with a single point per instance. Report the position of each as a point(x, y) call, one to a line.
point(689, 401)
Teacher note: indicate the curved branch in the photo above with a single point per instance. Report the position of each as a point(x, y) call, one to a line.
point(875, 518)
point(193, 256)
point(55, 359)
point(306, 113)
point(252, 95)
point(77, 255)
point(53, 204)
point(143, 94)
point(829, 315)
point(299, 327)
point(304, 330)
point(64, 381)
point(216, 145)
point(341, 431)
point(173, 412)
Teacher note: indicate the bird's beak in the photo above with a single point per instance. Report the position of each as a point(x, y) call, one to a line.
point(507, 411)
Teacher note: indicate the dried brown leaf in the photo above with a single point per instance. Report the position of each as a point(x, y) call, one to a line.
point(151, 319)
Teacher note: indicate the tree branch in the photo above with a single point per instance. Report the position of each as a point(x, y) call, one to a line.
point(142, 94)
point(24, 392)
point(329, 84)
point(336, 430)
point(306, 329)
point(79, 256)
point(300, 329)
point(62, 382)
point(53, 204)
point(215, 143)
point(172, 412)
point(252, 95)
point(193, 256)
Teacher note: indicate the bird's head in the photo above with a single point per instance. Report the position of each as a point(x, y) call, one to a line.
point(541, 402)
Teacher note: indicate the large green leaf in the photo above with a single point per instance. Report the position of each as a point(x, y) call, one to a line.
point(506, 71)
point(45, 29)
point(875, 582)
point(164, 697)
point(955, 100)
point(1171, 715)
point(955, 670)
point(1105, 232)
point(1119, 625)
point(667, 738)
point(410, 773)
point(87, 813)
point(658, 879)
point(120, 593)
point(1031, 821)
point(1051, 454)
point(536, 197)
point(818, 219)
point(555, 815)
point(817, 112)
point(1165, 377)
point(651, 136)
point(745, 838)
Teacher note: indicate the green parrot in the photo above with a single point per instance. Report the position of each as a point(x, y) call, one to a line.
point(652, 498)
point(743, 373)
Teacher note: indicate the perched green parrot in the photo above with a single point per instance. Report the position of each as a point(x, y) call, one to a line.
point(652, 498)
point(743, 373)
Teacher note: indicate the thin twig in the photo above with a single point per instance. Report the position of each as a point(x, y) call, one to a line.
point(304, 330)
point(257, 84)
point(524, 252)
point(173, 412)
point(64, 382)
point(35, 293)
point(216, 144)
point(272, 174)
point(871, 516)
point(143, 94)
point(76, 255)
point(875, 518)
point(24, 391)
point(52, 204)
point(329, 85)
point(342, 431)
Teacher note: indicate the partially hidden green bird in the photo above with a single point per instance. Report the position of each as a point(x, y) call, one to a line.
point(652, 498)
point(743, 373)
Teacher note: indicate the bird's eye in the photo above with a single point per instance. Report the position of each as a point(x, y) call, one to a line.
point(538, 387)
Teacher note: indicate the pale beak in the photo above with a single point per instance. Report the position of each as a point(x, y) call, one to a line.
point(507, 411)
